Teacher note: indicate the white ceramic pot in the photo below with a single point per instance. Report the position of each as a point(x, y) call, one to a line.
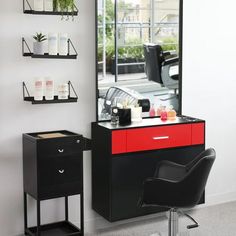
point(38, 48)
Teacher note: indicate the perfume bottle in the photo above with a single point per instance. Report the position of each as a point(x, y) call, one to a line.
point(159, 109)
point(171, 114)
point(152, 111)
point(163, 114)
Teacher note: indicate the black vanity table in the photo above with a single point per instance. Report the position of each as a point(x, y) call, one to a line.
point(124, 156)
point(53, 168)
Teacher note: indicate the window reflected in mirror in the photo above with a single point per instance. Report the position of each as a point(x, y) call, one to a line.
point(137, 55)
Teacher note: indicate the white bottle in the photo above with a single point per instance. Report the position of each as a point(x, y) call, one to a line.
point(38, 89)
point(63, 91)
point(49, 88)
point(38, 5)
point(52, 44)
point(63, 44)
point(48, 5)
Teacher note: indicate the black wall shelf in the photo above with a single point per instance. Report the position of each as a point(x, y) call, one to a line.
point(70, 99)
point(56, 13)
point(46, 55)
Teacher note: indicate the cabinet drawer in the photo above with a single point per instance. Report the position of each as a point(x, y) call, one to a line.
point(62, 146)
point(59, 170)
point(158, 137)
point(118, 141)
point(198, 133)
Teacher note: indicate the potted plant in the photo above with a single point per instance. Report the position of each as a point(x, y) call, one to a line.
point(38, 44)
point(64, 6)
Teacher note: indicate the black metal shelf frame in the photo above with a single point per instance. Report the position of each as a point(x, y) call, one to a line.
point(62, 13)
point(46, 55)
point(70, 99)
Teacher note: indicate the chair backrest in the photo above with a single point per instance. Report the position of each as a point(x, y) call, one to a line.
point(153, 54)
point(195, 181)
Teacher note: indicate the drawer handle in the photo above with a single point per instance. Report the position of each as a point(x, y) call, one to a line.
point(61, 150)
point(61, 171)
point(160, 137)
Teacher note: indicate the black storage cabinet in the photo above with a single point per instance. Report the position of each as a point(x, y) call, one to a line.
point(53, 168)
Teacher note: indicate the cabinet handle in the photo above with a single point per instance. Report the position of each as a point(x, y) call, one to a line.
point(61, 171)
point(160, 137)
point(78, 141)
point(61, 150)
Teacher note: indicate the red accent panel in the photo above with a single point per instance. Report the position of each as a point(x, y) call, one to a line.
point(118, 141)
point(198, 133)
point(158, 137)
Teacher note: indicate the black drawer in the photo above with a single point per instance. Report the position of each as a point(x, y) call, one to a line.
point(58, 170)
point(60, 147)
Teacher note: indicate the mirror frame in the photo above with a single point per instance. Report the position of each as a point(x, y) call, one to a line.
point(180, 59)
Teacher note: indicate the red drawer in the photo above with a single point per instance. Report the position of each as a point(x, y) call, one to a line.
point(158, 137)
point(118, 141)
point(198, 133)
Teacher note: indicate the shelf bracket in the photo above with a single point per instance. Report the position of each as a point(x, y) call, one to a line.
point(27, 97)
point(46, 55)
point(72, 87)
point(27, 2)
point(26, 54)
point(70, 44)
point(25, 90)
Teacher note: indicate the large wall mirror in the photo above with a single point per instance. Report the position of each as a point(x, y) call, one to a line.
point(139, 52)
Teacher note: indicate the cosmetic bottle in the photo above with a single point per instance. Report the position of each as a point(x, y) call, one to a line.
point(48, 5)
point(171, 114)
point(152, 111)
point(63, 91)
point(38, 89)
point(159, 109)
point(52, 44)
point(38, 5)
point(63, 44)
point(49, 88)
point(164, 114)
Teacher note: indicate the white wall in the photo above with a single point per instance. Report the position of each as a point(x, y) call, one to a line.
point(17, 116)
point(209, 82)
point(208, 92)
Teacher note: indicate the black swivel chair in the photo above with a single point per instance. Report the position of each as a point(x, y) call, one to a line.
point(158, 64)
point(177, 186)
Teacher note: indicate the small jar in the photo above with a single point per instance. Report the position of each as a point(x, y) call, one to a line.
point(171, 114)
point(63, 91)
point(164, 114)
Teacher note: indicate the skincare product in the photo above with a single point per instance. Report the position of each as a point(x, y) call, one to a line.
point(48, 5)
point(49, 88)
point(63, 91)
point(38, 5)
point(63, 44)
point(52, 44)
point(38, 89)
